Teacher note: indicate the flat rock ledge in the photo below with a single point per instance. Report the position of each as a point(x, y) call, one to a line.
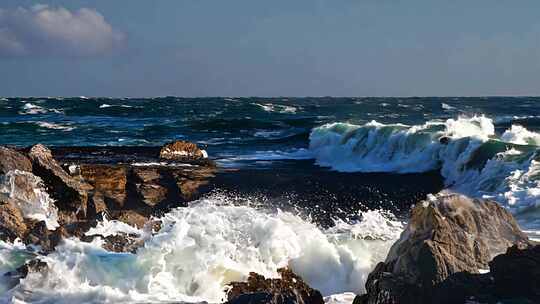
point(446, 252)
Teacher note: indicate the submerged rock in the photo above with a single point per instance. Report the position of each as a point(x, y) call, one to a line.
point(447, 234)
point(70, 194)
point(289, 289)
point(182, 150)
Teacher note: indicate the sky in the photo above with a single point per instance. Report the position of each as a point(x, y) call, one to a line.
point(143, 48)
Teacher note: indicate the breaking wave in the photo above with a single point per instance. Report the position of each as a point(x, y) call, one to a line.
point(471, 157)
point(200, 249)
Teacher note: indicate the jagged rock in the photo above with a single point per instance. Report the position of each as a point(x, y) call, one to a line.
point(38, 234)
point(12, 223)
point(11, 159)
point(182, 150)
point(108, 183)
point(447, 234)
point(70, 194)
point(290, 289)
point(150, 186)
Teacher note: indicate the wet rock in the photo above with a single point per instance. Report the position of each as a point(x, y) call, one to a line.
point(131, 217)
point(38, 234)
point(447, 234)
point(287, 290)
point(35, 265)
point(108, 185)
point(182, 151)
point(70, 194)
point(12, 223)
point(11, 159)
point(120, 242)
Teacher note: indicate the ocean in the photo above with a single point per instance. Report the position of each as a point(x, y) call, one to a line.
point(485, 147)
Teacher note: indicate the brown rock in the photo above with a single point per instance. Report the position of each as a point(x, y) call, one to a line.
point(108, 182)
point(287, 290)
point(38, 234)
point(181, 150)
point(149, 185)
point(12, 224)
point(11, 159)
point(130, 217)
point(69, 193)
point(447, 235)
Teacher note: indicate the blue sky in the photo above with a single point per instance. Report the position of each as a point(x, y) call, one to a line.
point(269, 48)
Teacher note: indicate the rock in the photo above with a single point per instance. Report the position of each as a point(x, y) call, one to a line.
point(108, 185)
point(11, 159)
point(69, 193)
point(35, 265)
point(517, 273)
point(447, 234)
point(182, 150)
point(38, 234)
point(287, 290)
point(12, 223)
point(131, 217)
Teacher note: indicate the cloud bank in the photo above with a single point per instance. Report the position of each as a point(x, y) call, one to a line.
point(44, 30)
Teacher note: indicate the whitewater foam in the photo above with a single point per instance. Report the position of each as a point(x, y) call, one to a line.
point(28, 192)
point(466, 150)
point(200, 249)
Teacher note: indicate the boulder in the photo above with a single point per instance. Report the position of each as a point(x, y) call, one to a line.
point(289, 289)
point(70, 194)
point(182, 151)
point(11, 159)
point(447, 234)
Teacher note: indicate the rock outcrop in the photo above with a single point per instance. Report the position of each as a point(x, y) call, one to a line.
point(43, 200)
point(70, 195)
point(447, 234)
point(182, 150)
point(289, 289)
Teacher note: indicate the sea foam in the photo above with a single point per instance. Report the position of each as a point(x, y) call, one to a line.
point(200, 249)
point(467, 151)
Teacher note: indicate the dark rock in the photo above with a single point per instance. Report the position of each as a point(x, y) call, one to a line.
point(35, 265)
point(287, 290)
point(181, 150)
point(517, 273)
point(120, 242)
point(70, 195)
point(446, 235)
point(11, 159)
point(38, 234)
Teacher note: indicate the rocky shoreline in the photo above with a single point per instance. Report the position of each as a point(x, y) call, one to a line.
point(453, 250)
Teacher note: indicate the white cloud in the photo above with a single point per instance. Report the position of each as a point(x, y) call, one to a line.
point(47, 30)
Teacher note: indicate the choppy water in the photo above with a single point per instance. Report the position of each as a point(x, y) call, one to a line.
point(483, 147)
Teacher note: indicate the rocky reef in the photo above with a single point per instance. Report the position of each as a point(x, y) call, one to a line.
point(43, 199)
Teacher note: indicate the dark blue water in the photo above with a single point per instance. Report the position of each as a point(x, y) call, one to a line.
point(232, 126)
